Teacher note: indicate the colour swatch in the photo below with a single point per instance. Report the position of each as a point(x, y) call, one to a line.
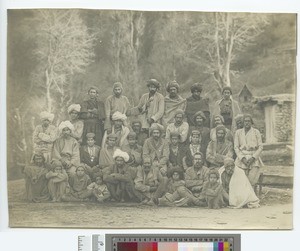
point(173, 246)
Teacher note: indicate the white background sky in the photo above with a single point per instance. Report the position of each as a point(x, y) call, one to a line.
point(66, 240)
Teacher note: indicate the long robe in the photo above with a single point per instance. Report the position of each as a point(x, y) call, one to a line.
point(57, 185)
point(158, 152)
point(78, 130)
point(112, 105)
point(171, 105)
point(62, 146)
point(235, 108)
point(196, 178)
point(195, 105)
point(241, 192)
point(43, 140)
point(183, 130)
point(90, 157)
point(93, 121)
point(217, 152)
point(154, 111)
point(213, 194)
point(247, 145)
point(36, 183)
point(106, 157)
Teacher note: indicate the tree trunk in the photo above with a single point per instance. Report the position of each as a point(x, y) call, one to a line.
point(48, 93)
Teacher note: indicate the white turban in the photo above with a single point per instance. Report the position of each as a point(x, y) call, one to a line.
point(47, 115)
point(119, 116)
point(65, 124)
point(120, 153)
point(74, 107)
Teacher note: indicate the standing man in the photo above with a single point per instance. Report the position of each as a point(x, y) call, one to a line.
point(196, 103)
point(93, 114)
point(248, 148)
point(151, 105)
point(173, 102)
point(227, 108)
point(44, 135)
point(115, 103)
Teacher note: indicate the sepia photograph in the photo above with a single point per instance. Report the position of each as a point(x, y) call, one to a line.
point(143, 119)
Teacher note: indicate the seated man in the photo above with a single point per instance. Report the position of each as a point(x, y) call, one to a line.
point(134, 150)
point(118, 128)
point(220, 149)
point(147, 180)
point(66, 144)
point(178, 126)
point(119, 178)
point(196, 175)
point(233, 179)
point(175, 192)
point(106, 153)
point(141, 135)
point(89, 155)
point(157, 148)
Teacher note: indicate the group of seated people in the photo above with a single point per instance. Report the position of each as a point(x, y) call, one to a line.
point(161, 152)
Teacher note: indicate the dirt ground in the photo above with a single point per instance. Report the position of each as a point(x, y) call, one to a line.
point(275, 213)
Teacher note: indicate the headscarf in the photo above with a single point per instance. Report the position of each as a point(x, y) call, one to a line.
point(219, 116)
point(179, 170)
point(65, 124)
point(156, 126)
point(93, 88)
point(239, 117)
point(147, 158)
point(200, 113)
point(120, 153)
point(214, 171)
point(221, 128)
point(118, 84)
point(131, 135)
point(74, 107)
point(153, 82)
point(196, 87)
point(228, 162)
point(90, 135)
point(119, 116)
point(178, 111)
point(46, 115)
point(247, 115)
point(227, 88)
point(172, 84)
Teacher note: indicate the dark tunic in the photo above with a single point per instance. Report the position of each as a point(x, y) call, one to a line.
point(91, 161)
point(93, 121)
point(194, 105)
point(175, 158)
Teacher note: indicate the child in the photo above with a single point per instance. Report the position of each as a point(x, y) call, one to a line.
point(58, 181)
point(89, 155)
point(78, 186)
point(99, 189)
point(213, 190)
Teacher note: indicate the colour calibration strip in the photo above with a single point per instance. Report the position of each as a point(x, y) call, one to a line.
point(173, 242)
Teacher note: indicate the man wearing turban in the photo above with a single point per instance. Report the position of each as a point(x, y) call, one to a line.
point(233, 179)
point(197, 103)
point(151, 105)
point(44, 135)
point(66, 144)
point(173, 102)
point(119, 178)
point(227, 108)
point(219, 150)
point(115, 103)
point(157, 148)
point(118, 128)
point(93, 114)
point(74, 111)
